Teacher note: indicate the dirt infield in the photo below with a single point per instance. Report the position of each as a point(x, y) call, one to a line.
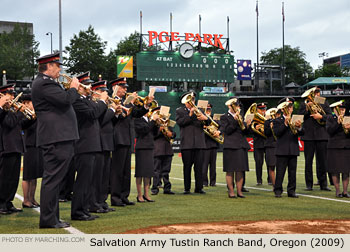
point(253, 227)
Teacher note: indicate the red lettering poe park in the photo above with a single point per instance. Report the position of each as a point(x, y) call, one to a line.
point(210, 39)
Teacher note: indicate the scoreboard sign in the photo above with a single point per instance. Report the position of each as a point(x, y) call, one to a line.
point(185, 65)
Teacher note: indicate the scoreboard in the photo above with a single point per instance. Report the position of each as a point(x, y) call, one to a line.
point(171, 66)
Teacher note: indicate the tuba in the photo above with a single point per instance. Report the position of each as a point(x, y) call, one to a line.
point(272, 113)
point(284, 107)
point(314, 107)
point(233, 103)
point(336, 106)
point(208, 129)
point(258, 119)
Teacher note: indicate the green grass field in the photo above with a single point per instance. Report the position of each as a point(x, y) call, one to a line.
point(259, 204)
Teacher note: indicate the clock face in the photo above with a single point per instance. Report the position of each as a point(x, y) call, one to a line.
point(186, 50)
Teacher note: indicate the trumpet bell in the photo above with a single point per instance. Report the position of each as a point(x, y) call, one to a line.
point(187, 98)
point(336, 104)
point(308, 92)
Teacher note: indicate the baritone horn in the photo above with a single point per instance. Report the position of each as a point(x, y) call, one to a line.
point(284, 108)
point(213, 126)
point(336, 105)
point(314, 107)
point(233, 103)
point(258, 119)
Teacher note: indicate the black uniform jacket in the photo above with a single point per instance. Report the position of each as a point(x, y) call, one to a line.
point(233, 135)
point(2, 115)
point(191, 130)
point(145, 132)
point(106, 131)
point(57, 121)
point(337, 137)
point(314, 130)
point(88, 113)
point(122, 125)
point(12, 134)
point(270, 140)
point(29, 127)
point(287, 143)
point(162, 146)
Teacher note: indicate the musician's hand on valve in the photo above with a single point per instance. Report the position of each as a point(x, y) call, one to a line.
point(134, 94)
point(249, 122)
point(258, 126)
point(150, 99)
point(169, 133)
point(340, 119)
point(347, 126)
point(298, 124)
point(202, 117)
point(113, 106)
point(192, 111)
point(118, 109)
point(316, 116)
point(271, 125)
point(216, 133)
point(155, 117)
point(286, 120)
point(74, 83)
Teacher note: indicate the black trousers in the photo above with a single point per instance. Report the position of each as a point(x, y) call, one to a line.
point(162, 167)
point(259, 162)
point(120, 174)
point(105, 188)
point(83, 184)
point(189, 158)
point(66, 186)
point(209, 162)
point(57, 157)
point(282, 163)
point(320, 148)
point(96, 185)
point(10, 166)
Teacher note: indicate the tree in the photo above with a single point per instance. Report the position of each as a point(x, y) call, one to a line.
point(18, 49)
point(297, 69)
point(331, 70)
point(86, 53)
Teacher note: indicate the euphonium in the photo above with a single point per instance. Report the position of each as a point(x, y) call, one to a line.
point(336, 106)
point(258, 119)
point(314, 107)
point(272, 113)
point(284, 107)
point(233, 103)
point(208, 129)
point(162, 121)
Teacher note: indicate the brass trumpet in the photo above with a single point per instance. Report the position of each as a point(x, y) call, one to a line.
point(66, 84)
point(15, 106)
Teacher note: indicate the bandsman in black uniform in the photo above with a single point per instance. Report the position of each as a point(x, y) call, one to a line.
point(235, 155)
point(32, 159)
point(315, 142)
point(88, 113)
point(287, 148)
point(270, 144)
point(12, 148)
point(338, 148)
point(210, 153)
point(56, 132)
point(259, 147)
point(103, 159)
point(145, 129)
point(192, 144)
point(121, 157)
point(163, 156)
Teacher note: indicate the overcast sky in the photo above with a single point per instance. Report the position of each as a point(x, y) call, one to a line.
point(314, 25)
